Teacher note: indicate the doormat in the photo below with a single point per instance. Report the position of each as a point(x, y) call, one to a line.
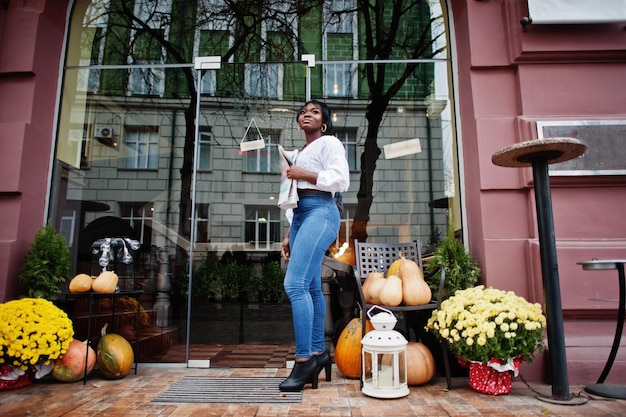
point(228, 390)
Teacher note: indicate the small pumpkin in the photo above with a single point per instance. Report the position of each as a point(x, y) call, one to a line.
point(115, 356)
point(373, 291)
point(105, 283)
point(372, 276)
point(415, 291)
point(420, 364)
point(391, 293)
point(71, 366)
point(395, 265)
point(348, 348)
point(80, 283)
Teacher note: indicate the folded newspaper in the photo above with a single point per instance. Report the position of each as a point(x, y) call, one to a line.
point(288, 196)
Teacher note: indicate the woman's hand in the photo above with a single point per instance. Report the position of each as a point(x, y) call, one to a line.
point(295, 172)
point(284, 248)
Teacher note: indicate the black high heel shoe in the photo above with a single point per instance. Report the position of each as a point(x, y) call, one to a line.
point(301, 374)
point(325, 362)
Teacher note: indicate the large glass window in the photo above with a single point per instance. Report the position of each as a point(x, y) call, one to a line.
point(145, 148)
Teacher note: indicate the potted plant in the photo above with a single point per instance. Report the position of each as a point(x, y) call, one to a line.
point(33, 333)
point(461, 268)
point(491, 331)
point(47, 265)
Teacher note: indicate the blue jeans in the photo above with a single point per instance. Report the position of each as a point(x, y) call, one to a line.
point(314, 227)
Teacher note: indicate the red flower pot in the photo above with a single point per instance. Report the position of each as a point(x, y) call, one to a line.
point(19, 382)
point(487, 380)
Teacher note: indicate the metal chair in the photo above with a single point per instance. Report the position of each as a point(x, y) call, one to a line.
point(379, 256)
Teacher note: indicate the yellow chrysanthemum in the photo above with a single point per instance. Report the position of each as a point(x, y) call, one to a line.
point(32, 331)
point(477, 321)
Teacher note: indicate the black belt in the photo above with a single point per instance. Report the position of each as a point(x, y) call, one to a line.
point(308, 191)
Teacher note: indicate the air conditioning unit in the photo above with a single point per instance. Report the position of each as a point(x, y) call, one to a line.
point(104, 132)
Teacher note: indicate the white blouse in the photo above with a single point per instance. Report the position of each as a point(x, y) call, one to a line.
point(325, 156)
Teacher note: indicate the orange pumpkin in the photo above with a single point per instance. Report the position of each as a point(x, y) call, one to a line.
point(373, 291)
point(420, 364)
point(106, 282)
point(115, 355)
point(71, 366)
point(348, 348)
point(391, 293)
point(81, 283)
point(371, 277)
point(415, 291)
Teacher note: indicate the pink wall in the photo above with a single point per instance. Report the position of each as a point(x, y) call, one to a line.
point(508, 79)
point(31, 38)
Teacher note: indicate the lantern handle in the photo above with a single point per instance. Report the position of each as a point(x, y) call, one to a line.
point(369, 312)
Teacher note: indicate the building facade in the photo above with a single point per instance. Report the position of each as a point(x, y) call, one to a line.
point(92, 135)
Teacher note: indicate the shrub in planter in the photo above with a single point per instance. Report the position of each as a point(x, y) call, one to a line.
point(47, 265)
point(462, 271)
point(271, 288)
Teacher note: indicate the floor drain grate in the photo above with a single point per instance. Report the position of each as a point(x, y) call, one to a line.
point(235, 390)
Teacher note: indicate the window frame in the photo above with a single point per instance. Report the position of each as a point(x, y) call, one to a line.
point(348, 72)
point(144, 68)
point(152, 142)
point(273, 222)
point(270, 151)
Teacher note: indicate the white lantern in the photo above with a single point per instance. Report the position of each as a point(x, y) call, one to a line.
point(384, 358)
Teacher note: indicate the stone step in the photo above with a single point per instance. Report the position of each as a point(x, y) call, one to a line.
point(154, 341)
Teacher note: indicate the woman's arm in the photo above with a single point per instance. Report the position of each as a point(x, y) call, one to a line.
point(284, 246)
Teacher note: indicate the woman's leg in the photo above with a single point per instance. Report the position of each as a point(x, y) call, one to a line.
point(315, 226)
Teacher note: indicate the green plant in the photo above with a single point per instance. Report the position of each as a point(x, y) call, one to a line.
point(271, 288)
point(480, 324)
point(47, 265)
point(235, 280)
point(461, 268)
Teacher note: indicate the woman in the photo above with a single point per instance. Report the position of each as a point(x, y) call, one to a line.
point(321, 170)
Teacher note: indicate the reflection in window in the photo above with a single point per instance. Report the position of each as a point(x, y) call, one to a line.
point(345, 225)
point(66, 228)
point(339, 80)
point(262, 226)
point(92, 42)
point(142, 149)
point(147, 49)
point(264, 80)
point(204, 151)
point(348, 138)
point(139, 217)
point(202, 223)
point(146, 81)
point(265, 159)
point(340, 45)
point(208, 82)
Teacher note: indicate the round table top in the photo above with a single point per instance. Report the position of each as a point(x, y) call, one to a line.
point(554, 150)
point(601, 263)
